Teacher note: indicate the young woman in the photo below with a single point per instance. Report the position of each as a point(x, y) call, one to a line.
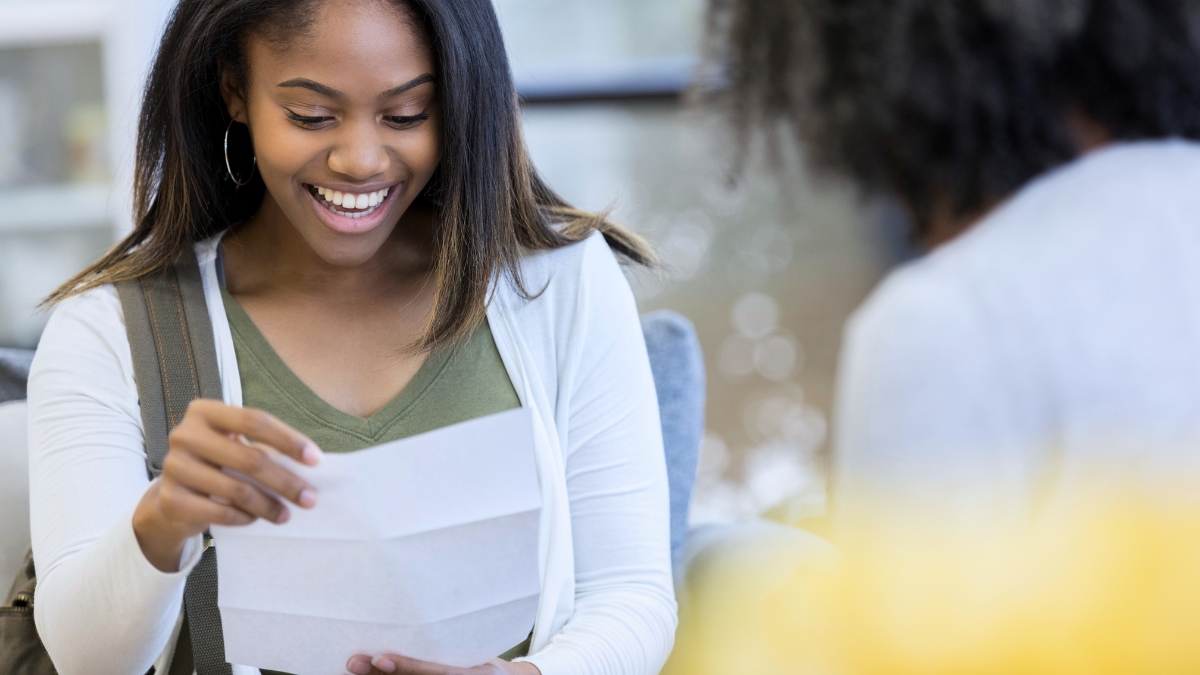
point(379, 259)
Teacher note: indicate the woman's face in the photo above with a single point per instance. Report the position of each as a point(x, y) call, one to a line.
point(345, 125)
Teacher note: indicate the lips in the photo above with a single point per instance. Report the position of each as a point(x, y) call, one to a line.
point(352, 212)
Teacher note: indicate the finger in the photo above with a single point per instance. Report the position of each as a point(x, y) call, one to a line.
point(219, 450)
point(389, 664)
point(184, 505)
point(360, 664)
point(204, 478)
point(260, 426)
point(394, 664)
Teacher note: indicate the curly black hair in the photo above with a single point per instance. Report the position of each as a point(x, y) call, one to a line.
point(955, 103)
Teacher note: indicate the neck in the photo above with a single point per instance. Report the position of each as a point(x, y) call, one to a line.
point(946, 223)
point(268, 254)
point(1086, 131)
point(1087, 134)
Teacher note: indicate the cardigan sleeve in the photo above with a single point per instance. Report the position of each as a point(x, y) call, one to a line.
point(625, 612)
point(101, 607)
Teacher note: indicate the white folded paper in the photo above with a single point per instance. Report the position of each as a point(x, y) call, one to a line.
point(425, 547)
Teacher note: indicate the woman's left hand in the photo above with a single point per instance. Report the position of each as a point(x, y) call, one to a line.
point(390, 664)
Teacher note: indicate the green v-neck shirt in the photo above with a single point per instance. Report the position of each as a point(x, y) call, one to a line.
point(455, 384)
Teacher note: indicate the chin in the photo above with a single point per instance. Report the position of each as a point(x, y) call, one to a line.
point(348, 250)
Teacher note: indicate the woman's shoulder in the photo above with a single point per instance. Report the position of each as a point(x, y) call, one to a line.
point(85, 329)
point(94, 310)
point(97, 312)
point(561, 289)
point(569, 270)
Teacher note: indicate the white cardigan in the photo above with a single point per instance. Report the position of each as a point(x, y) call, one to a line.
point(577, 359)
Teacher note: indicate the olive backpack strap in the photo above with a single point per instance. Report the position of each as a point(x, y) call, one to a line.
point(21, 649)
point(174, 362)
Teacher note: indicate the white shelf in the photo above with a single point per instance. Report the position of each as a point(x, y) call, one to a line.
point(46, 22)
point(42, 208)
point(660, 76)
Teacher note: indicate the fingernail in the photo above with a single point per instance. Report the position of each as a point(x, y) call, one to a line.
point(359, 665)
point(307, 498)
point(311, 454)
point(384, 663)
point(284, 516)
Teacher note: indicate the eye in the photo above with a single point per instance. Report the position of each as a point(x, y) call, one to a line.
point(307, 121)
point(405, 121)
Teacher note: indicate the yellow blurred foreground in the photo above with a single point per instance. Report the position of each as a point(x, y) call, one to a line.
point(1105, 585)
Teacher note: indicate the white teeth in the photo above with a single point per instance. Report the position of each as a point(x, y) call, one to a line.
point(352, 201)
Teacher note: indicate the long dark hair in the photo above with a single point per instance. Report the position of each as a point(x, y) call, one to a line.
point(490, 203)
point(955, 100)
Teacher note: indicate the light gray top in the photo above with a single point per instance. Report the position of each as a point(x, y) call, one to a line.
point(1058, 337)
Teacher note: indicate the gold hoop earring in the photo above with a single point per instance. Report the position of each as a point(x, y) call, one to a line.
point(229, 169)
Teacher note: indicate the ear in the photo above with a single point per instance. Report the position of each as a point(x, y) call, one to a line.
point(233, 94)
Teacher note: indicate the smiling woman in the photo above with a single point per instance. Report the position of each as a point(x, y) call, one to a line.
point(491, 202)
point(379, 259)
point(354, 203)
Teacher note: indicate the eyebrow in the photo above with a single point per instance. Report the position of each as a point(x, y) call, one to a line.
point(325, 90)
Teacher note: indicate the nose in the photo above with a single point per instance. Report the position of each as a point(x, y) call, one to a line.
point(359, 153)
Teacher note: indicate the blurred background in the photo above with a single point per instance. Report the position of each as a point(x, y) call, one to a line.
point(768, 268)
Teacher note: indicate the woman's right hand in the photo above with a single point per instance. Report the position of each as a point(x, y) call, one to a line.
point(196, 491)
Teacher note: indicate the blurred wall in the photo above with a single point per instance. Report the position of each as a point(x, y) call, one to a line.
point(71, 73)
point(768, 266)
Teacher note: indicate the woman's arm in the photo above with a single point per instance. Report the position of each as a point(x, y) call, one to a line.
point(101, 606)
point(625, 611)
point(102, 564)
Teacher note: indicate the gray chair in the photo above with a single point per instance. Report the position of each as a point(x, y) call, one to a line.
point(678, 367)
point(14, 370)
point(14, 463)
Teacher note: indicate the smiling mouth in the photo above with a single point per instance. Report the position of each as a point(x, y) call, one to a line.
point(348, 204)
